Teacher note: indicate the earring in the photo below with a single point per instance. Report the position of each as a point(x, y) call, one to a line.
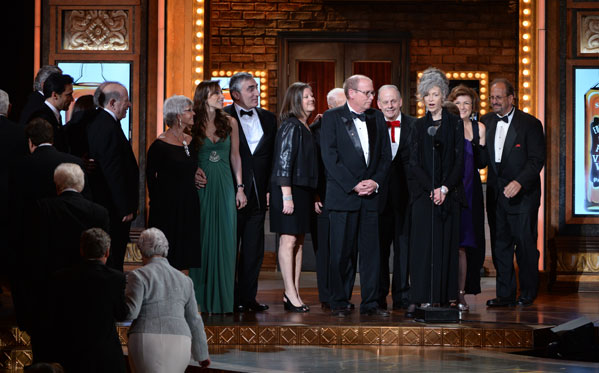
point(179, 119)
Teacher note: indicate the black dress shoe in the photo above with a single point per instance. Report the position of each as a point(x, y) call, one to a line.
point(340, 312)
point(325, 306)
point(524, 301)
point(350, 306)
point(500, 302)
point(239, 308)
point(402, 305)
point(256, 307)
point(375, 311)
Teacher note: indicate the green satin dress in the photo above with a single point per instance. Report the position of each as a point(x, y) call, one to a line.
point(214, 281)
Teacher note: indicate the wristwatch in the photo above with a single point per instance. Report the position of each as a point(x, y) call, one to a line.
point(240, 186)
point(444, 189)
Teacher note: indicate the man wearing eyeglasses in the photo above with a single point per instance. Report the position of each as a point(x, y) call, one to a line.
point(356, 154)
point(516, 154)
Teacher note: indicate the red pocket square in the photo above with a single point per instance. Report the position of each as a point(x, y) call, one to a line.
point(517, 145)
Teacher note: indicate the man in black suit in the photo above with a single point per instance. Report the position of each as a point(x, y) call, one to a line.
point(356, 154)
point(86, 301)
point(58, 91)
point(115, 181)
point(320, 220)
point(516, 151)
point(257, 129)
point(394, 208)
point(36, 99)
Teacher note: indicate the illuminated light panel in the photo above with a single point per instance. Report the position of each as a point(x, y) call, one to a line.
point(525, 84)
point(526, 109)
point(525, 60)
point(526, 11)
point(198, 43)
point(526, 97)
point(259, 74)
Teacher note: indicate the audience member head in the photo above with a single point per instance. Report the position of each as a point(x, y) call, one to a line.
point(42, 74)
point(4, 103)
point(39, 131)
point(389, 101)
point(174, 108)
point(58, 90)
point(298, 102)
point(502, 96)
point(69, 176)
point(207, 101)
point(465, 99)
point(152, 242)
point(244, 90)
point(336, 97)
point(95, 244)
point(433, 88)
point(452, 108)
point(113, 96)
point(85, 102)
point(44, 368)
point(359, 92)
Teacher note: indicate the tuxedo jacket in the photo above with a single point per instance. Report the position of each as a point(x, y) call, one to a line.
point(12, 150)
point(62, 219)
point(115, 182)
point(34, 102)
point(395, 190)
point(86, 301)
point(256, 168)
point(60, 140)
point(522, 159)
point(343, 157)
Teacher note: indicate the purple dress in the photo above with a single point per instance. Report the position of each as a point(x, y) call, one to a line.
point(467, 236)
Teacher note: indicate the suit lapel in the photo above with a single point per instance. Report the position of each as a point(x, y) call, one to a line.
point(371, 126)
point(352, 132)
point(510, 137)
point(262, 119)
point(492, 127)
point(243, 142)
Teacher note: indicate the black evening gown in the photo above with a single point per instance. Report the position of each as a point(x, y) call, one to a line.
point(174, 202)
point(441, 223)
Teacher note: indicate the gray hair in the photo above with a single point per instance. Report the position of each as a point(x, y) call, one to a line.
point(332, 97)
point(237, 79)
point(389, 86)
point(152, 242)
point(433, 77)
point(42, 74)
point(103, 96)
point(94, 243)
point(69, 175)
point(174, 106)
point(4, 102)
point(352, 83)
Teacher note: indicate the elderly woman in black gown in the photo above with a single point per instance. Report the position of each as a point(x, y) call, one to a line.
point(170, 170)
point(437, 144)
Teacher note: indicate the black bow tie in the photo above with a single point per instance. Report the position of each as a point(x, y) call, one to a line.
point(505, 119)
point(243, 112)
point(362, 116)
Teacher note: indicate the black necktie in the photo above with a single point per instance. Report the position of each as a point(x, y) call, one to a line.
point(362, 116)
point(243, 112)
point(505, 119)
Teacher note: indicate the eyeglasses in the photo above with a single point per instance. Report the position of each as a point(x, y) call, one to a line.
point(496, 98)
point(366, 93)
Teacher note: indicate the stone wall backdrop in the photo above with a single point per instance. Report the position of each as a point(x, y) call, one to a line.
point(471, 35)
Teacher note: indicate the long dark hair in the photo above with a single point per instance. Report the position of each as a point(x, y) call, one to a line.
point(221, 120)
point(292, 103)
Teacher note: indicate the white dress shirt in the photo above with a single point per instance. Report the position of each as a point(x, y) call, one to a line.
point(111, 114)
point(394, 145)
point(363, 135)
point(252, 129)
point(500, 134)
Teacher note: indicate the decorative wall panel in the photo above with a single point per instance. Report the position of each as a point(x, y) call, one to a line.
point(96, 30)
point(589, 33)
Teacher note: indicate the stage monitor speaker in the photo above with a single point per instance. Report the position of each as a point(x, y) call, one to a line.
point(436, 314)
point(574, 340)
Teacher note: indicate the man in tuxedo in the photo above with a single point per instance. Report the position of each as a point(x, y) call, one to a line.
point(115, 181)
point(36, 99)
point(516, 155)
point(257, 129)
point(58, 91)
point(357, 155)
point(320, 219)
point(85, 302)
point(394, 208)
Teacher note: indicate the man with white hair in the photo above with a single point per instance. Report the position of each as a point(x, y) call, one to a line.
point(36, 98)
point(115, 182)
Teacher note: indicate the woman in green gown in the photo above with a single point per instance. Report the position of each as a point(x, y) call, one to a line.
point(216, 137)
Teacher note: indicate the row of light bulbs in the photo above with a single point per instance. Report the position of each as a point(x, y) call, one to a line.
point(199, 43)
point(258, 74)
point(526, 45)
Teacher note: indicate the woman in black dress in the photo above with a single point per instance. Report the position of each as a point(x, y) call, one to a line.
point(170, 170)
point(294, 177)
point(437, 142)
point(472, 228)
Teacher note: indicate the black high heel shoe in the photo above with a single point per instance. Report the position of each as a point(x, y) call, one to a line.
point(290, 307)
